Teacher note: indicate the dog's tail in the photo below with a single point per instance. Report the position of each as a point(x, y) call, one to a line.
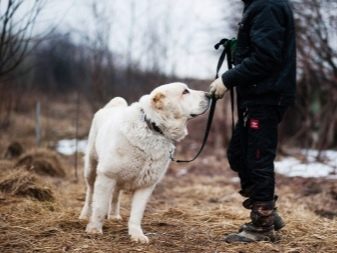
point(116, 102)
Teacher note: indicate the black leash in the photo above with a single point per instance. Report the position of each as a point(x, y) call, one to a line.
point(227, 44)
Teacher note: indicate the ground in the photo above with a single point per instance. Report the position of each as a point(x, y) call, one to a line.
point(190, 211)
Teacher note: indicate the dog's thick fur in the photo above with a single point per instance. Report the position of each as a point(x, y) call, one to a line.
point(129, 148)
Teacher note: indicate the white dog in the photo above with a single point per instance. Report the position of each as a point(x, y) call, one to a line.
point(129, 149)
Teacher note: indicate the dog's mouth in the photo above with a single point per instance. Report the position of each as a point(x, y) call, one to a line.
point(193, 115)
point(196, 115)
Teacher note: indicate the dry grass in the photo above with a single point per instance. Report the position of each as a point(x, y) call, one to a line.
point(14, 150)
point(23, 183)
point(189, 214)
point(6, 166)
point(43, 162)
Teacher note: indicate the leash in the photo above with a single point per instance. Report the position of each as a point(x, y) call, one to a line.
point(229, 46)
point(228, 51)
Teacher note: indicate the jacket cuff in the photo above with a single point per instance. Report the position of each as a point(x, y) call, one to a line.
point(227, 79)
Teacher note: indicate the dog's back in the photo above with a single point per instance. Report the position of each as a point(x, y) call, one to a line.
point(117, 101)
point(99, 118)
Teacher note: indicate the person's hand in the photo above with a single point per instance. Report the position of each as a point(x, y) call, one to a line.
point(217, 88)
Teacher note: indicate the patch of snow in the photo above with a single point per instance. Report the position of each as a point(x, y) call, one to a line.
point(68, 146)
point(312, 167)
point(182, 172)
point(235, 180)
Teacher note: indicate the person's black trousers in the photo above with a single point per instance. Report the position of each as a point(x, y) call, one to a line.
point(252, 150)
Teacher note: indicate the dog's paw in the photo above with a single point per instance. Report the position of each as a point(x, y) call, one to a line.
point(140, 238)
point(91, 229)
point(137, 235)
point(115, 217)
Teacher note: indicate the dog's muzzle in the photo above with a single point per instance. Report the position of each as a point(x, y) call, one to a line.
point(193, 115)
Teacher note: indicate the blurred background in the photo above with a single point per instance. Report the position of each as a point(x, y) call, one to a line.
point(60, 61)
point(90, 51)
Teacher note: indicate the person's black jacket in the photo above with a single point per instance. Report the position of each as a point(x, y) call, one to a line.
point(265, 56)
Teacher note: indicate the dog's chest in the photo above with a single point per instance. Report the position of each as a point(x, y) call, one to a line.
point(142, 163)
point(143, 167)
point(147, 156)
point(152, 172)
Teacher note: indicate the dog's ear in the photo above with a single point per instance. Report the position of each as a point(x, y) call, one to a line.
point(158, 100)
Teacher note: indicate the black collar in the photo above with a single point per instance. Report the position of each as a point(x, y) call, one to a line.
point(151, 125)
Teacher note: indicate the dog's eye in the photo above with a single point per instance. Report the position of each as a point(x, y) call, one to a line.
point(186, 91)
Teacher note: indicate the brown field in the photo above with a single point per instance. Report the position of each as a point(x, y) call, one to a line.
point(190, 211)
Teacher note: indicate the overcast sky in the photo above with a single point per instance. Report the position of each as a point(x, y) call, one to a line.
point(177, 35)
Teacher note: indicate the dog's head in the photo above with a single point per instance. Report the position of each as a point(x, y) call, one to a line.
point(171, 105)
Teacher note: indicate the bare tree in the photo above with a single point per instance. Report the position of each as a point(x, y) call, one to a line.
point(317, 71)
point(16, 32)
point(16, 27)
point(100, 60)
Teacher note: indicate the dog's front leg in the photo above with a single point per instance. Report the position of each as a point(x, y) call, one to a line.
point(102, 195)
point(139, 201)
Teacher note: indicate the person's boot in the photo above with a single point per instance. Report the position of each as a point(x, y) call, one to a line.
point(278, 221)
point(261, 227)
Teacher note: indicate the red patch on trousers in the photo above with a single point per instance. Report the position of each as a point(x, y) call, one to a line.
point(254, 124)
point(258, 154)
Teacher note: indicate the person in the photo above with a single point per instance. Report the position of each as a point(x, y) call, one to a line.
point(264, 77)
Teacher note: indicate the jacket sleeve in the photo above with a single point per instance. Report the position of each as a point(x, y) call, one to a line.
point(266, 38)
